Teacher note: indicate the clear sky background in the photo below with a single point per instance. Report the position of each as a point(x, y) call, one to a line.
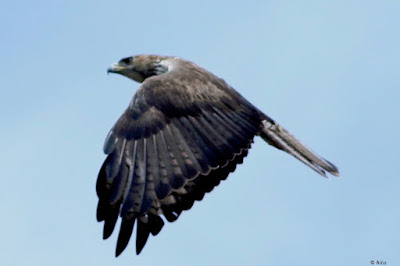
point(329, 71)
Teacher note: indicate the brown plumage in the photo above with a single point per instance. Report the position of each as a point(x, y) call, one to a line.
point(184, 131)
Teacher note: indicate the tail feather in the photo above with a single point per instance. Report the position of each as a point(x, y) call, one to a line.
point(278, 137)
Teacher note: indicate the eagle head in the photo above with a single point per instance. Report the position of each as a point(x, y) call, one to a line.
point(140, 67)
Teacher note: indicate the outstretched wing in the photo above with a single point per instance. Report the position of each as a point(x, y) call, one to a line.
point(171, 146)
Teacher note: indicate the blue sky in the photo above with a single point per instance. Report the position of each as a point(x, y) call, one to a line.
point(326, 70)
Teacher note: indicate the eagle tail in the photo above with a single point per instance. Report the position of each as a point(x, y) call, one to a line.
point(280, 138)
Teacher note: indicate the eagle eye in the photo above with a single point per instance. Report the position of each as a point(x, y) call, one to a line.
point(127, 60)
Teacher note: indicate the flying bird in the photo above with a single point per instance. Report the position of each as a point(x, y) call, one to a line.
point(183, 132)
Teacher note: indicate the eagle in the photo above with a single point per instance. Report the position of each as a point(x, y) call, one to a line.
point(184, 131)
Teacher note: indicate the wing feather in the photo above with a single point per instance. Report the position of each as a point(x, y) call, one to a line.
point(221, 156)
point(152, 174)
point(189, 152)
point(176, 179)
point(233, 124)
point(244, 124)
point(194, 144)
point(143, 232)
point(238, 136)
point(180, 153)
point(119, 184)
point(155, 224)
point(110, 142)
point(219, 137)
point(134, 198)
point(113, 165)
point(163, 187)
point(125, 233)
point(208, 152)
point(226, 133)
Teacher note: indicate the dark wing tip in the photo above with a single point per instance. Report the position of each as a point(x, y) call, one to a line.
point(120, 248)
point(124, 235)
point(108, 229)
point(142, 235)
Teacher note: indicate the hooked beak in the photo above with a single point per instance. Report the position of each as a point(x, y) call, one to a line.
point(115, 68)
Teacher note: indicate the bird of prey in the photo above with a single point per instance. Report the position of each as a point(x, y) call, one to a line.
point(183, 132)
